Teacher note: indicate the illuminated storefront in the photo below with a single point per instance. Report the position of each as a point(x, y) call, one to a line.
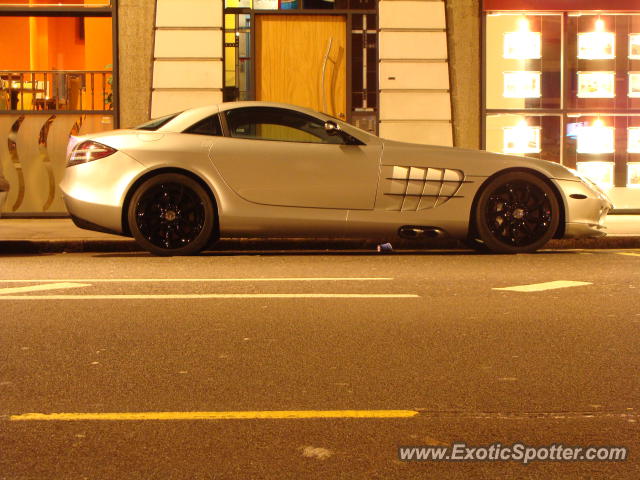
point(56, 80)
point(562, 83)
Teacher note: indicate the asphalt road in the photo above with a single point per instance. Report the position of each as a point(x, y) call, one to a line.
point(421, 338)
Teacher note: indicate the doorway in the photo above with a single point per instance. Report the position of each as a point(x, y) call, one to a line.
point(301, 59)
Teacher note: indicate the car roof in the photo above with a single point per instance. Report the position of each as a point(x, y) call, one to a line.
point(187, 118)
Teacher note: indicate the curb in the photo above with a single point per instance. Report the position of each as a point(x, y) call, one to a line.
point(293, 245)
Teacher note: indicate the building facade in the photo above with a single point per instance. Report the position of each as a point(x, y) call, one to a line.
point(425, 71)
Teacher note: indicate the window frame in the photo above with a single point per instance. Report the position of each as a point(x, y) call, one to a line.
point(346, 139)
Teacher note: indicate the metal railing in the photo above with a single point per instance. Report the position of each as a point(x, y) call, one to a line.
point(65, 90)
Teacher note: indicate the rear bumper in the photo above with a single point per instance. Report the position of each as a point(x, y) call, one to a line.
point(85, 215)
point(75, 208)
point(94, 192)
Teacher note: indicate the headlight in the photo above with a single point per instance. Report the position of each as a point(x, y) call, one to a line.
point(88, 151)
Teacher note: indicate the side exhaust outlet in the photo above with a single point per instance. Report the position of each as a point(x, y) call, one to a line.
point(414, 232)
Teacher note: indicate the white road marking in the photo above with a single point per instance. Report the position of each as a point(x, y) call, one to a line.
point(178, 280)
point(539, 287)
point(39, 288)
point(206, 296)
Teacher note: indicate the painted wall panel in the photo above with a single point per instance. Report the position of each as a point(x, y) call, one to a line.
point(415, 106)
point(188, 43)
point(416, 14)
point(413, 45)
point(189, 13)
point(418, 132)
point(187, 74)
point(416, 75)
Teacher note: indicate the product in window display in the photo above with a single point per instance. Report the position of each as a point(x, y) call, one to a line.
point(600, 173)
point(633, 140)
point(634, 46)
point(522, 45)
point(521, 139)
point(237, 3)
point(521, 85)
point(633, 174)
point(596, 138)
point(596, 45)
point(265, 4)
point(634, 84)
point(596, 84)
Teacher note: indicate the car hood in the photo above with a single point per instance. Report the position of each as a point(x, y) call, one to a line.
point(472, 162)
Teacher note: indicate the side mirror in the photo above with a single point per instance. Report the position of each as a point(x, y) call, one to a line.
point(332, 128)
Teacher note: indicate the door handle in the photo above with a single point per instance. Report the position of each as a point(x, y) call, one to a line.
point(323, 75)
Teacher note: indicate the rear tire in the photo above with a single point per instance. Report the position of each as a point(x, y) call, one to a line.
point(517, 212)
point(171, 214)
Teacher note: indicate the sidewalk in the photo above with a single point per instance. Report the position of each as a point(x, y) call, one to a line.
point(51, 235)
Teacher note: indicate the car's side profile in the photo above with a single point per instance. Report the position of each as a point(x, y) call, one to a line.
point(256, 169)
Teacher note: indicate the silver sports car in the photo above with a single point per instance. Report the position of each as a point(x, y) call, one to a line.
point(255, 169)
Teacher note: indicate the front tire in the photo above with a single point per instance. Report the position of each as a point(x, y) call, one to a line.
point(517, 212)
point(171, 214)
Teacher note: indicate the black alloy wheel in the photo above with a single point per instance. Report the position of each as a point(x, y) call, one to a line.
point(171, 214)
point(517, 212)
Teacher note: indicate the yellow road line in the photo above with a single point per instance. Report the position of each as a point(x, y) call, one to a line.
point(256, 415)
point(539, 287)
point(39, 288)
point(629, 253)
point(194, 296)
point(204, 280)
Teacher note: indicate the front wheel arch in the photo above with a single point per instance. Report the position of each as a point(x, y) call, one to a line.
point(125, 206)
point(473, 232)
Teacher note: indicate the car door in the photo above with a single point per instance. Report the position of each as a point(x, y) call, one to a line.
point(277, 156)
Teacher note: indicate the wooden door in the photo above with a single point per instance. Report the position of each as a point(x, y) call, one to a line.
point(301, 59)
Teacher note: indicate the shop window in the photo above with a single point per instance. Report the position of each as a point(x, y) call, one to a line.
point(523, 61)
point(633, 175)
point(565, 87)
point(531, 135)
point(56, 63)
point(237, 57)
point(602, 58)
point(599, 172)
point(593, 142)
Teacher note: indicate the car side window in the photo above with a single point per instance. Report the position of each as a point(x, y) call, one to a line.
point(278, 124)
point(208, 126)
